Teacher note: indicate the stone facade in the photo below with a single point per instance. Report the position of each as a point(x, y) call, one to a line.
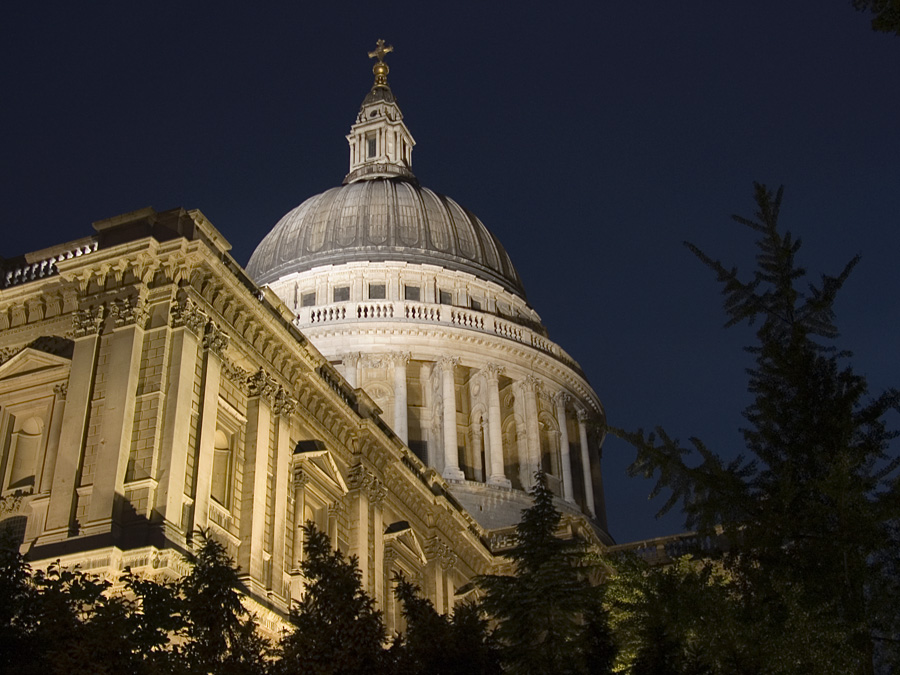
point(149, 388)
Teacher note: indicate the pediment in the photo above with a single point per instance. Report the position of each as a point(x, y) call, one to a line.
point(30, 361)
point(317, 461)
point(401, 534)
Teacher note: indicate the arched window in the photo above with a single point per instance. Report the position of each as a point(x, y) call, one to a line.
point(220, 489)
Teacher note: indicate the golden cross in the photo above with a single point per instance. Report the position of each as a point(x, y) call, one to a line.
point(380, 51)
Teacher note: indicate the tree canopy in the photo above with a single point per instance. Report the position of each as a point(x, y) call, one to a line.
point(810, 509)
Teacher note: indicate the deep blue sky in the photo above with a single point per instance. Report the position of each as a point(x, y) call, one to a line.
point(592, 138)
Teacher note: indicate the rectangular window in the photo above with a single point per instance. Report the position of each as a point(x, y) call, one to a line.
point(377, 292)
point(475, 304)
point(370, 142)
point(446, 298)
point(308, 299)
point(342, 294)
point(412, 293)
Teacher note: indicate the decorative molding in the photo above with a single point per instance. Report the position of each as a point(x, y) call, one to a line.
point(61, 390)
point(361, 478)
point(8, 352)
point(11, 504)
point(128, 311)
point(184, 312)
point(88, 320)
point(214, 338)
point(263, 385)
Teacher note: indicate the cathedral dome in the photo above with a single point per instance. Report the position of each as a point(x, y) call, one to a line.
point(377, 220)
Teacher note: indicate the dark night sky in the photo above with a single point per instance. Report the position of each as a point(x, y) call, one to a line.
point(592, 138)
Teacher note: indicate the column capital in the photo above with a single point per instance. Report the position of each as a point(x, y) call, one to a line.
point(301, 478)
point(61, 390)
point(400, 358)
point(561, 398)
point(492, 371)
point(88, 320)
point(128, 311)
point(448, 362)
point(583, 415)
point(214, 338)
point(184, 312)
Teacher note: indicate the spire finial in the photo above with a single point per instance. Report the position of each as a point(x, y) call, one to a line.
point(380, 69)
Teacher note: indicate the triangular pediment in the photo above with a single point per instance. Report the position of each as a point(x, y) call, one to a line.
point(30, 361)
point(400, 533)
point(316, 459)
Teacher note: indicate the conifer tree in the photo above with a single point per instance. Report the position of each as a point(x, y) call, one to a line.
point(437, 644)
point(814, 508)
point(337, 629)
point(221, 635)
point(549, 616)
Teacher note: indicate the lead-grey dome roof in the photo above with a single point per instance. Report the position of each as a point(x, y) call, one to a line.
point(379, 220)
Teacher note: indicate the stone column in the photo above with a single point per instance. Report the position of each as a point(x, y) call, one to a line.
point(586, 461)
point(568, 489)
point(451, 445)
point(495, 432)
point(528, 387)
point(401, 420)
point(351, 368)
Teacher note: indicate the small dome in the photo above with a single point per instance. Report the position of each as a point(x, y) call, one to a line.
point(380, 220)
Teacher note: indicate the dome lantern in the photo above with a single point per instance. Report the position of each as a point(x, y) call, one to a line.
point(380, 144)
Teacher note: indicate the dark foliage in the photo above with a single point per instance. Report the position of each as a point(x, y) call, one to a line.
point(887, 14)
point(815, 507)
point(337, 629)
point(549, 616)
point(221, 636)
point(433, 643)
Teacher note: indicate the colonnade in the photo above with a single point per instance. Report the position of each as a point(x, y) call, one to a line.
point(487, 435)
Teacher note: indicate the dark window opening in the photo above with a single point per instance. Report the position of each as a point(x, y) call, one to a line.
point(342, 294)
point(371, 145)
point(446, 298)
point(377, 292)
point(308, 300)
point(475, 304)
point(412, 293)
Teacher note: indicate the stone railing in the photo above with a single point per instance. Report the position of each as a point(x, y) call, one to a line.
point(22, 273)
point(429, 313)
